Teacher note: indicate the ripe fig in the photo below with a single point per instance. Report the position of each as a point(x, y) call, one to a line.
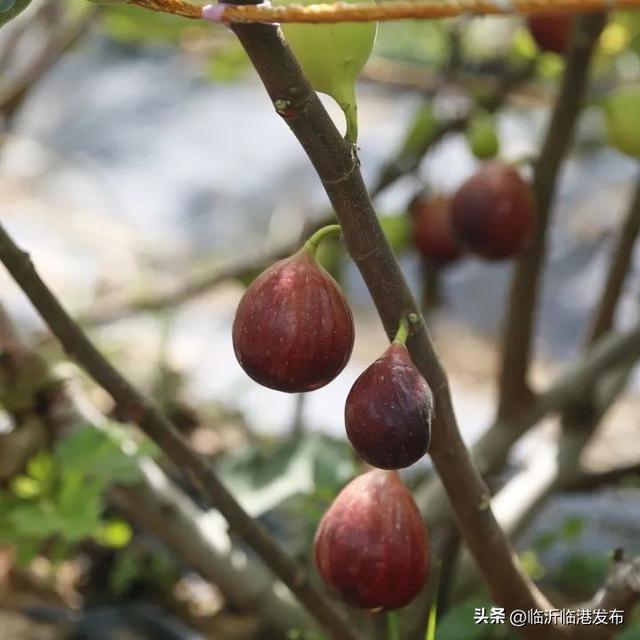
point(372, 546)
point(293, 329)
point(389, 409)
point(482, 136)
point(551, 31)
point(431, 229)
point(493, 212)
point(622, 112)
point(332, 56)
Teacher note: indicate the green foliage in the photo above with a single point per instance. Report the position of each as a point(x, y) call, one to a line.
point(128, 24)
point(581, 573)
point(458, 623)
point(228, 63)
point(60, 496)
point(425, 41)
point(396, 228)
point(132, 562)
point(623, 124)
point(424, 125)
point(261, 479)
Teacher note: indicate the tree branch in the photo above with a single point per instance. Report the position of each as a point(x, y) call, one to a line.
point(143, 412)
point(618, 269)
point(514, 389)
point(12, 96)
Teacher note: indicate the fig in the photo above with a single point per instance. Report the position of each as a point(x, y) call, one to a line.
point(293, 330)
point(9, 9)
point(622, 113)
point(371, 545)
point(551, 31)
point(493, 212)
point(332, 56)
point(431, 229)
point(482, 136)
point(389, 409)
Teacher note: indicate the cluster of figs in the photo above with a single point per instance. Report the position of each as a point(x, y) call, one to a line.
point(294, 332)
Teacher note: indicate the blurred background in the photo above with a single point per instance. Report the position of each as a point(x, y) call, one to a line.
point(145, 171)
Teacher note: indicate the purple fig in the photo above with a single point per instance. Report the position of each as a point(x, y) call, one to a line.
point(389, 409)
point(293, 329)
point(372, 546)
point(493, 212)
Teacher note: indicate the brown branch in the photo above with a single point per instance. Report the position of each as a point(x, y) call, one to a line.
point(618, 269)
point(196, 285)
point(513, 385)
point(611, 353)
point(589, 480)
point(337, 166)
point(12, 96)
point(621, 592)
point(143, 412)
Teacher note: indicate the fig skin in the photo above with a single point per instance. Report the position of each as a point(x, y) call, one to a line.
point(431, 230)
point(493, 212)
point(371, 545)
point(389, 410)
point(293, 329)
point(551, 31)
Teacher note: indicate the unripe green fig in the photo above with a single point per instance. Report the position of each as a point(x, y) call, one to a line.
point(9, 9)
point(622, 110)
point(332, 56)
point(482, 136)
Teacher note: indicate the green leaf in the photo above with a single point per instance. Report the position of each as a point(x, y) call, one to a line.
point(98, 454)
point(37, 520)
point(41, 467)
point(79, 505)
point(572, 529)
point(263, 479)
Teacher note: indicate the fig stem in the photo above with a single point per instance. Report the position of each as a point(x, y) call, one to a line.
point(403, 332)
point(314, 241)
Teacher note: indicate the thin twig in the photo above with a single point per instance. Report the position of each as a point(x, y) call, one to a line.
point(618, 269)
point(514, 389)
point(12, 96)
point(143, 412)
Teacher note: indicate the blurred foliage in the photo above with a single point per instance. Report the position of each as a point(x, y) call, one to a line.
point(262, 477)
point(59, 499)
point(134, 563)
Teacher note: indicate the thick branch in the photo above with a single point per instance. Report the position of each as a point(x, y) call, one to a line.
point(523, 299)
point(143, 412)
point(337, 166)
